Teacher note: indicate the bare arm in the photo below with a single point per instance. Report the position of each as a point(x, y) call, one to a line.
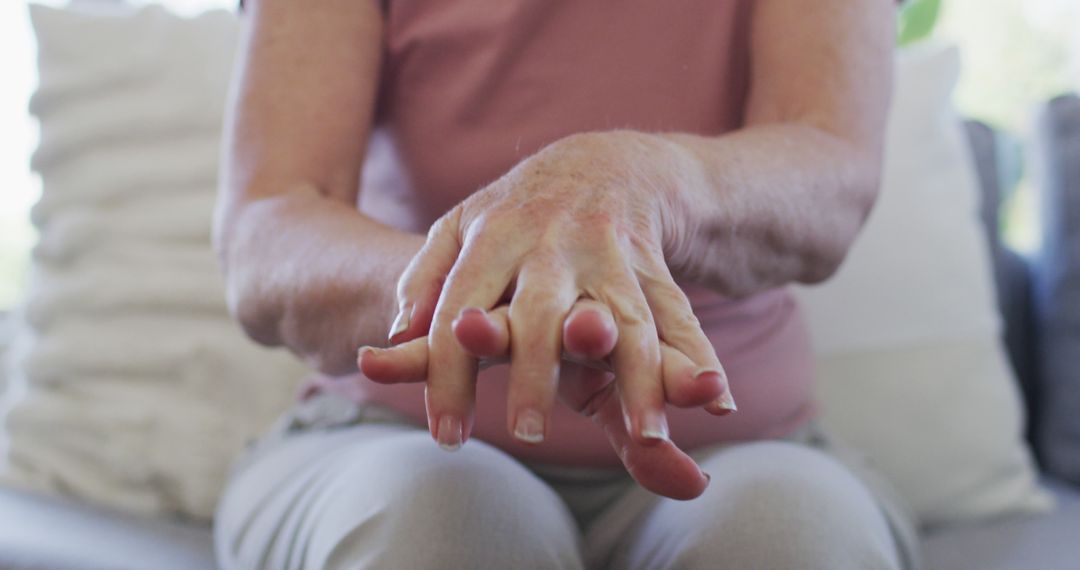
point(782, 199)
point(303, 267)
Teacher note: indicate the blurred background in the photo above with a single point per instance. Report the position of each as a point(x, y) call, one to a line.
point(1015, 53)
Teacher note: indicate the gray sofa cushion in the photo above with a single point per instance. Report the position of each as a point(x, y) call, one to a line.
point(1057, 286)
point(1046, 542)
point(44, 532)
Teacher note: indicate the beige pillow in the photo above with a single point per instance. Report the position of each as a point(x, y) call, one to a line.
point(911, 368)
point(132, 387)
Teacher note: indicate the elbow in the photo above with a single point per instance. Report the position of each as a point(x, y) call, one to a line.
point(821, 265)
point(824, 259)
point(271, 321)
point(274, 315)
point(245, 294)
point(250, 308)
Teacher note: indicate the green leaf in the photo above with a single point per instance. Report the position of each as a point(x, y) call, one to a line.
point(917, 19)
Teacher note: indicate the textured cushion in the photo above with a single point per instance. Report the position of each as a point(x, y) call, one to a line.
point(46, 533)
point(1057, 286)
point(132, 386)
point(911, 367)
point(1045, 542)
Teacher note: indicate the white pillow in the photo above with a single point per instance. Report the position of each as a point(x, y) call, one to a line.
point(132, 386)
point(911, 368)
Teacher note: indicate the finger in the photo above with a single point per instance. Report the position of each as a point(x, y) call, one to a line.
point(420, 284)
point(581, 386)
point(684, 385)
point(478, 278)
point(484, 334)
point(724, 405)
point(538, 309)
point(636, 360)
point(406, 362)
point(661, 468)
point(589, 331)
point(678, 326)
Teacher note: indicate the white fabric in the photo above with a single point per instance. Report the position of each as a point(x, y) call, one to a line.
point(911, 368)
point(132, 386)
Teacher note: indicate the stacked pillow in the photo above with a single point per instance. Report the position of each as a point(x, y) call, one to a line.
point(131, 385)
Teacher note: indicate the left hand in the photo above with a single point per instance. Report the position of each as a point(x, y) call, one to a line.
point(586, 220)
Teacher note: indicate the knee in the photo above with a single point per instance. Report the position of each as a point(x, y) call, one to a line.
point(404, 503)
point(781, 505)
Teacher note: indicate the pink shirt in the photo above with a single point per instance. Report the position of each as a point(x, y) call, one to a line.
point(471, 87)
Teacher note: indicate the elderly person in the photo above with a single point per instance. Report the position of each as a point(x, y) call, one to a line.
point(558, 232)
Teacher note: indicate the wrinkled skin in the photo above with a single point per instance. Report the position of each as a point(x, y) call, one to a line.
point(559, 269)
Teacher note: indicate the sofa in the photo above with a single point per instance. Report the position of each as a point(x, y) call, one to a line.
point(110, 116)
point(46, 532)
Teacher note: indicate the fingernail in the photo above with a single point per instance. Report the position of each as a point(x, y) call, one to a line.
point(726, 402)
point(401, 322)
point(529, 426)
point(654, 425)
point(707, 477)
point(449, 434)
point(364, 350)
point(709, 374)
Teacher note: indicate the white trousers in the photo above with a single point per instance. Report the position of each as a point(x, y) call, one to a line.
point(377, 493)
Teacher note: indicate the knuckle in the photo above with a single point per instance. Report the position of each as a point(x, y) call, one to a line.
point(682, 321)
point(547, 259)
point(445, 225)
point(533, 304)
point(627, 310)
point(495, 220)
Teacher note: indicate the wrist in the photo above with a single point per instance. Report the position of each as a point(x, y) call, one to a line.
point(686, 200)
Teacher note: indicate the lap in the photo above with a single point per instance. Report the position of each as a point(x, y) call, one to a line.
point(385, 496)
point(366, 490)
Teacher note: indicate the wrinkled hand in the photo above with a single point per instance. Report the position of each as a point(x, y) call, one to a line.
point(560, 264)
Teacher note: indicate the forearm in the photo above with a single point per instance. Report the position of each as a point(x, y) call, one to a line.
point(303, 267)
point(783, 198)
point(767, 205)
point(312, 274)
